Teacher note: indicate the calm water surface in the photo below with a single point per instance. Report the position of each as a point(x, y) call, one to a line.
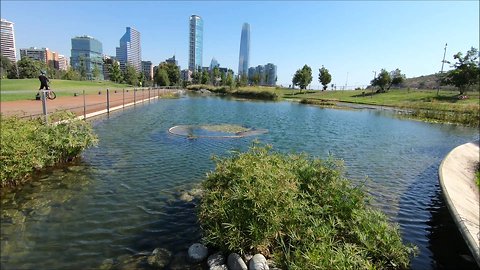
point(122, 197)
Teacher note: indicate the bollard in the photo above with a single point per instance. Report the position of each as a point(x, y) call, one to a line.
point(108, 101)
point(44, 105)
point(84, 107)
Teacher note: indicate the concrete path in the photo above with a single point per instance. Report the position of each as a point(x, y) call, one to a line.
point(457, 179)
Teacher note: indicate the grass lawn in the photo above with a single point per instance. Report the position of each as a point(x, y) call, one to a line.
point(21, 89)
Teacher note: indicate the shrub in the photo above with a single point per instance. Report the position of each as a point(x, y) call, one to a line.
point(300, 211)
point(29, 145)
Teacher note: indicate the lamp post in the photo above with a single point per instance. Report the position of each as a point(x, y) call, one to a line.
point(441, 72)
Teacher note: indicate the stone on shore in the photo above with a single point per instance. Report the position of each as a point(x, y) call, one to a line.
point(197, 252)
point(216, 259)
point(258, 262)
point(160, 258)
point(235, 262)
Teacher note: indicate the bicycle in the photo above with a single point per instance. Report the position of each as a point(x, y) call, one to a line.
point(48, 94)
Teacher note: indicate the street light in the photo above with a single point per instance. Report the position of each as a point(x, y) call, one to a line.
point(374, 75)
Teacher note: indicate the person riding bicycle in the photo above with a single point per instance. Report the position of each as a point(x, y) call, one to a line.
point(43, 81)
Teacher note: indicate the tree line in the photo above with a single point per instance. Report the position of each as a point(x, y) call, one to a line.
point(465, 75)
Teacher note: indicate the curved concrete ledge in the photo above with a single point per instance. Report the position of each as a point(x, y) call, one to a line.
point(457, 180)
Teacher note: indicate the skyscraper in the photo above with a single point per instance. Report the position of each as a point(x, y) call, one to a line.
point(244, 50)
point(86, 56)
point(130, 51)
point(196, 43)
point(7, 39)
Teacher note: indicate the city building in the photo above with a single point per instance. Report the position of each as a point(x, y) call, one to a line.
point(172, 60)
point(7, 40)
point(147, 69)
point(63, 62)
point(130, 51)
point(43, 55)
point(244, 56)
point(196, 43)
point(108, 62)
point(86, 56)
point(214, 63)
point(186, 75)
point(263, 75)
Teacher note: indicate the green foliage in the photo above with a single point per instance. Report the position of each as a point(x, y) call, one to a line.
point(215, 76)
point(115, 72)
point(324, 77)
point(95, 72)
point(385, 80)
point(28, 68)
point(303, 77)
point(161, 77)
point(7, 68)
point(230, 82)
point(300, 211)
point(205, 77)
point(28, 145)
point(131, 75)
point(466, 73)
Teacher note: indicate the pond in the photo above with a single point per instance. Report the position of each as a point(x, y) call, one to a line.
point(123, 197)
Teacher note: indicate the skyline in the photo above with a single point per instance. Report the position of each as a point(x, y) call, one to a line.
point(351, 39)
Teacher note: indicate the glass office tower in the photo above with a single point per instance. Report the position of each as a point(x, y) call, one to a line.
point(86, 54)
point(196, 43)
point(244, 50)
point(130, 51)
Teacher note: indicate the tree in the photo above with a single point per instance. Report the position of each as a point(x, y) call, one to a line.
point(324, 77)
point(28, 68)
point(385, 80)
point(215, 75)
point(71, 74)
point(230, 81)
point(223, 78)
point(466, 72)
point(7, 68)
point(115, 72)
point(205, 77)
point(130, 75)
point(303, 77)
point(256, 78)
point(173, 72)
point(95, 72)
point(161, 77)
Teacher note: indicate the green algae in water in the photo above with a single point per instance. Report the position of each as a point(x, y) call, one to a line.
point(215, 131)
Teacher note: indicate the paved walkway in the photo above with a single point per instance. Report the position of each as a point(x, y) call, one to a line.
point(457, 179)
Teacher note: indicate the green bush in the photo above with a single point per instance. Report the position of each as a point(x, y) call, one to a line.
point(301, 212)
point(29, 145)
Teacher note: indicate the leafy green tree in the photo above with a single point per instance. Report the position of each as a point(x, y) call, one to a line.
point(223, 78)
point(115, 72)
point(466, 73)
point(173, 72)
point(243, 80)
point(161, 77)
point(385, 80)
point(205, 77)
point(28, 68)
point(95, 72)
point(7, 68)
point(303, 77)
point(230, 81)
point(324, 77)
point(130, 75)
point(215, 75)
point(71, 74)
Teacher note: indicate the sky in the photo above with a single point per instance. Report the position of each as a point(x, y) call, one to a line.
point(352, 39)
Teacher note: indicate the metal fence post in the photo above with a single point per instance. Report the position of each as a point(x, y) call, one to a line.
point(134, 96)
point(123, 101)
point(108, 101)
point(44, 105)
point(84, 107)
point(148, 95)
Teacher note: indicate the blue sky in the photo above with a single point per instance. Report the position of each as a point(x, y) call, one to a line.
point(351, 38)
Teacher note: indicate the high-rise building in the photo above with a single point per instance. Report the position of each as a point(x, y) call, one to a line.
point(43, 55)
point(63, 62)
point(263, 75)
point(7, 40)
point(244, 56)
point(196, 43)
point(130, 51)
point(86, 55)
point(214, 63)
point(172, 60)
point(147, 69)
point(270, 74)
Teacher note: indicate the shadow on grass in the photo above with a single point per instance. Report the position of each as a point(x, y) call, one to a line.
point(450, 99)
point(300, 93)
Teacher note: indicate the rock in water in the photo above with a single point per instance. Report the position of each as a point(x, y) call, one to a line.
point(160, 258)
point(219, 267)
point(197, 253)
point(235, 262)
point(215, 259)
point(258, 262)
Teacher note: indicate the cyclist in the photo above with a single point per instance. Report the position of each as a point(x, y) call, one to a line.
point(43, 81)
